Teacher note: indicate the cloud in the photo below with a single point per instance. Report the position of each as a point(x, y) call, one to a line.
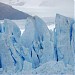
point(46, 7)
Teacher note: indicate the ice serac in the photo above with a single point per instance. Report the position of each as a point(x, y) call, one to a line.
point(73, 42)
point(36, 37)
point(63, 39)
point(28, 35)
point(27, 39)
point(43, 37)
point(73, 37)
point(10, 53)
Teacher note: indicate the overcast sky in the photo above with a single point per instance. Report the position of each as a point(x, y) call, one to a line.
point(44, 8)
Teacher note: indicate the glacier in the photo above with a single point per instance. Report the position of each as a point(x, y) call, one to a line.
point(39, 50)
point(64, 38)
point(36, 37)
point(11, 59)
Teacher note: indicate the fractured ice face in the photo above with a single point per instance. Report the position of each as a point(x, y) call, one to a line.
point(63, 39)
point(10, 57)
point(28, 34)
point(37, 45)
point(11, 28)
point(73, 37)
point(36, 37)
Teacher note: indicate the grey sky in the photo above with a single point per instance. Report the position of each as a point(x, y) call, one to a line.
point(45, 8)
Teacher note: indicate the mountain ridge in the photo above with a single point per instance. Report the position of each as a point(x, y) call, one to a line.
point(8, 12)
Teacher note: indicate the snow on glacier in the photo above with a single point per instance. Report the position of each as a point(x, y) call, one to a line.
point(37, 50)
point(22, 30)
point(4, 52)
point(51, 27)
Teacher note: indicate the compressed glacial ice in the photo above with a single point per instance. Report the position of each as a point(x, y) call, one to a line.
point(9, 53)
point(73, 37)
point(38, 50)
point(36, 37)
point(4, 52)
point(63, 39)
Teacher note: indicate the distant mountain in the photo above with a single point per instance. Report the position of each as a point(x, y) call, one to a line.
point(8, 12)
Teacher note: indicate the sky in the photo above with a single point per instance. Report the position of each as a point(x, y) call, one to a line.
point(43, 8)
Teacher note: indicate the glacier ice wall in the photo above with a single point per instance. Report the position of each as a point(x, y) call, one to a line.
point(10, 55)
point(38, 45)
point(63, 39)
point(36, 37)
point(73, 37)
